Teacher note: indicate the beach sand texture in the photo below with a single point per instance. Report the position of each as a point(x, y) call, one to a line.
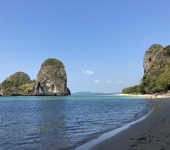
point(152, 133)
point(157, 138)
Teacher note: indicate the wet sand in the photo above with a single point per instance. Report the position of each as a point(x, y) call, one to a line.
point(152, 133)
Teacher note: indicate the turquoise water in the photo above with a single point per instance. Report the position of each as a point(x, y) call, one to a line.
point(64, 122)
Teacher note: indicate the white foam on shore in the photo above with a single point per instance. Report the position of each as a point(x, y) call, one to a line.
point(89, 145)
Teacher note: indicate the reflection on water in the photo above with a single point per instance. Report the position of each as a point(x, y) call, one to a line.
point(62, 122)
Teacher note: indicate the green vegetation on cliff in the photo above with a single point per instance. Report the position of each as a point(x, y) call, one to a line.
point(27, 89)
point(18, 83)
point(51, 80)
point(157, 77)
point(53, 68)
point(53, 61)
point(154, 48)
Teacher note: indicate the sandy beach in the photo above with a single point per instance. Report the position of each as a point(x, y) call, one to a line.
point(152, 133)
point(146, 95)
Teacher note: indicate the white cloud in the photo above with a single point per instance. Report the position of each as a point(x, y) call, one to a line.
point(88, 72)
point(109, 81)
point(119, 82)
point(97, 81)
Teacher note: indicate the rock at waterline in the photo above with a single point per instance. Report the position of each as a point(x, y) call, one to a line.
point(52, 79)
point(17, 84)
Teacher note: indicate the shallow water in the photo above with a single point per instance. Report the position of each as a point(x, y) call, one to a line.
point(63, 122)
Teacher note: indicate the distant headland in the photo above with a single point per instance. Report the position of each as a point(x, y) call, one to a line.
point(51, 80)
point(156, 78)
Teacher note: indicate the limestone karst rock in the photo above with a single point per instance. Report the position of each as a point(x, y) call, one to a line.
point(17, 84)
point(150, 56)
point(156, 78)
point(52, 79)
point(1, 93)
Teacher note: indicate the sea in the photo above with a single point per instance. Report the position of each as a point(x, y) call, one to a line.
point(64, 122)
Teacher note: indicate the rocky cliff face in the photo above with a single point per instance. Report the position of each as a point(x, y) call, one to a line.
point(17, 84)
point(1, 93)
point(150, 56)
point(52, 79)
point(156, 78)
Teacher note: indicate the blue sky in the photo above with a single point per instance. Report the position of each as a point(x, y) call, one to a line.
point(100, 42)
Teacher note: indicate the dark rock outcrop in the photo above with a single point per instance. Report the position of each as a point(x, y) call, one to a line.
point(52, 79)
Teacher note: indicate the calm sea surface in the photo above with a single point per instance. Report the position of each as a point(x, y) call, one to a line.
point(63, 123)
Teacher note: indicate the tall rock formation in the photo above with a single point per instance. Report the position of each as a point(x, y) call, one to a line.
point(52, 79)
point(156, 78)
point(150, 56)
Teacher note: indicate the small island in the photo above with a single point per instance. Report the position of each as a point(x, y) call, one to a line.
point(156, 72)
point(51, 81)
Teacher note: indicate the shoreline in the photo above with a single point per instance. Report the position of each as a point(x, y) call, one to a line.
point(128, 137)
point(89, 145)
point(146, 95)
point(148, 134)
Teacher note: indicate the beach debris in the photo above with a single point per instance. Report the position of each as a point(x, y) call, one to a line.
point(140, 139)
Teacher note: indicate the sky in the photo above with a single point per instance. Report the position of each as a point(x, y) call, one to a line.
point(100, 42)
